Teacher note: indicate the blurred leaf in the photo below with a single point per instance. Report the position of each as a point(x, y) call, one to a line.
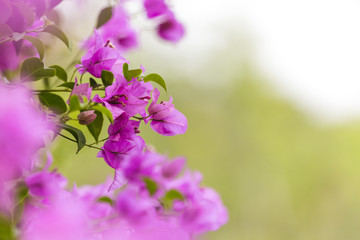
point(154, 77)
point(78, 135)
point(6, 230)
point(169, 198)
point(37, 44)
point(60, 72)
point(74, 103)
point(104, 16)
point(70, 85)
point(96, 125)
point(93, 83)
point(151, 185)
point(107, 78)
point(22, 193)
point(54, 102)
point(105, 111)
point(57, 32)
point(106, 199)
point(33, 69)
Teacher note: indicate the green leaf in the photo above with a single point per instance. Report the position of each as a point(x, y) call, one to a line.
point(54, 102)
point(154, 77)
point(151, 185)
point(96, 126)
point(57, 32)
point(29, 66)
point(37, 44)
point(74, 103)
point(104, 16)
point(105, 111)
point(6, 229)
point(22, 193)
point(126, 71)
point(60, 72)
point(33, 69)
point(106, 200)
point(173, 194)
point(78, 135)
point(130, 74)
point(93, 83)
point(134, 73)
point(107, 78)
point(70, 85)
point(169, 198)
point(44, 73)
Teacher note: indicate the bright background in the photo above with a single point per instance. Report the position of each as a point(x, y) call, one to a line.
point(271, 92)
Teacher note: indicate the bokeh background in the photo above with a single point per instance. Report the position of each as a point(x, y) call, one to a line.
point(271, 93)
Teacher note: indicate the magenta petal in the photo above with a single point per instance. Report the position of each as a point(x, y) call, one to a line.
point(171, 30)
point(119, 181)
point(11, 61)
point(173, 168)
point(174, 124)
point(5, 10)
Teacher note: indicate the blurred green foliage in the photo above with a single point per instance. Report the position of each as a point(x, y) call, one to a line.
point(281, 175)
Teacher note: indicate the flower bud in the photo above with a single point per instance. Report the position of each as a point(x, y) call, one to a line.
point(86, 117)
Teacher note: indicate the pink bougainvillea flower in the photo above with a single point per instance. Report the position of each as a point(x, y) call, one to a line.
point(11, 61)
point(165, 119)
point(170, 169)
point(119, 31)
point(100, 56)
point(121, 96)
point(114, 152)
point(123, 128)
point(139, 166)
point(170, 29)
point(45, 184)
point(81, 90)
point(205, 213)
point(155, 8)
point(64, 218)
point(21, 125)
point(137, 210)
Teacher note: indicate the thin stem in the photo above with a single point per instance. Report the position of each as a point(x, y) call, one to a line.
point(76, 142)
point(102, 140)
point(76, 69)
point(51, 90)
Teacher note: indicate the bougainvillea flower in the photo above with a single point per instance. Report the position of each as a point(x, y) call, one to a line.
point(114, 152)
point(170, 169)
point(155, 8)
point(100, 56)
point(119, 31)
point(11, 61)
point(123, 128)
point(44, 184)
point(5, 10)
point(21, 125)
point(81, 90)
point(121, 96)
point(139, 166)
point(165, 119)
point(64, 218)
point(135, 209)
point(170, 29)
point(206, 213)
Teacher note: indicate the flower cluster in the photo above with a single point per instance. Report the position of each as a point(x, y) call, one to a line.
point(17, 18)
point(156, 199)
